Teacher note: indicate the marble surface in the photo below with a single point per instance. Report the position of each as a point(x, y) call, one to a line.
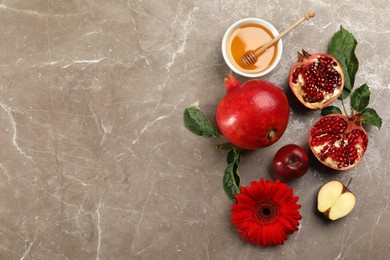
point(95, 161)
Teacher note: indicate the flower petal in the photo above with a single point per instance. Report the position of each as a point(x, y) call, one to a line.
point(265, 238)
point(268, 187)
point(252, 233)
point(281, 234)
point(259, 230)
point(243, 198)
point(254, 192)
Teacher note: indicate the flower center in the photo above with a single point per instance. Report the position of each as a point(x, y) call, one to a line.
point(266, 211)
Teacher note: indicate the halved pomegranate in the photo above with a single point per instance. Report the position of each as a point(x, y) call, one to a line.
point(338, 141)
point(316, 79)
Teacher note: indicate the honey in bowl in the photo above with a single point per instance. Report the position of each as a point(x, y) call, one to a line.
point(247, 37)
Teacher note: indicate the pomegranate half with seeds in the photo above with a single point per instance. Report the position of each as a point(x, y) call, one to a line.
point(316, 79)
point(338, 141)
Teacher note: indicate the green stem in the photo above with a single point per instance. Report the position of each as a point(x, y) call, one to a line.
point(345, 111)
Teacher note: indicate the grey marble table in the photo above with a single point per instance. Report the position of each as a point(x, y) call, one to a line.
point(95, 161)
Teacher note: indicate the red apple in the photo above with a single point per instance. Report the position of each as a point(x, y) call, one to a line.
point(291, 161)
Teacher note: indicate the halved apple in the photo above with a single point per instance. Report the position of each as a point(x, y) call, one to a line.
point(335, 200)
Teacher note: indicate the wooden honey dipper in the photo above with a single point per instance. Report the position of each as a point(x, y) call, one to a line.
point(250, 57)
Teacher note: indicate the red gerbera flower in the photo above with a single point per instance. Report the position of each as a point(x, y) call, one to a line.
point(266, 212)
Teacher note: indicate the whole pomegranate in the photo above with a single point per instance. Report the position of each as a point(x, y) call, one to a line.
point(316, 79)
point(338, 141)
point(252, 115)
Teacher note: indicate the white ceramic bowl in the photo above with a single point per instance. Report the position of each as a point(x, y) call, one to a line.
point(239, 23)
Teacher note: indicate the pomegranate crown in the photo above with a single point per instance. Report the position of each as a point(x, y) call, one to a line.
point(304, 55)
point(231, 83)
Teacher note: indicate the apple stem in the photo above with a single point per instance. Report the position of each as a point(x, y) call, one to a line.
point(346, 187)
point(292, 160)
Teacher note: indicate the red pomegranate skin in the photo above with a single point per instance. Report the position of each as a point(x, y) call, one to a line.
point(252, 115)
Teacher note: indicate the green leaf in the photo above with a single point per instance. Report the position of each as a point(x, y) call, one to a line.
point(234, 156)
point(342, 47)
point(371, 117)
point(231, 179)
point(330, 110)
point(361, 98)
point(198, 123)
point(226, 147)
